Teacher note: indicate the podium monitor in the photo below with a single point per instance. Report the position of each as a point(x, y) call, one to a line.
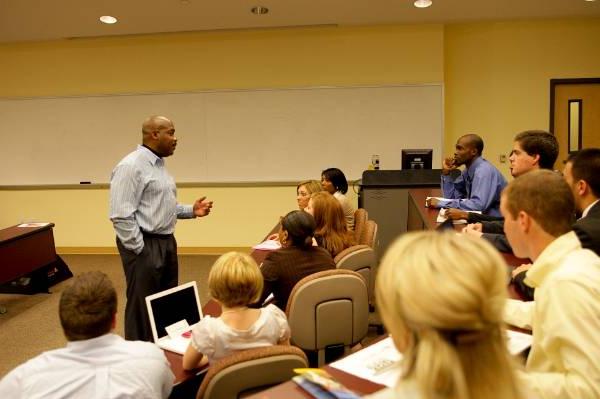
point(417, 158)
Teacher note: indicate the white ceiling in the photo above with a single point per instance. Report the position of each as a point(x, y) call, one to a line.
point(26, 20)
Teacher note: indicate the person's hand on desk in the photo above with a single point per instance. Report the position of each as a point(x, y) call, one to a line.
point(202, 207)
point(520, 269)
point(456, 214)
point(473, 229)
point(432, 202)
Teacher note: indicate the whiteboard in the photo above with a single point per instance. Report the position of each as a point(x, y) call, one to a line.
point(223, 136)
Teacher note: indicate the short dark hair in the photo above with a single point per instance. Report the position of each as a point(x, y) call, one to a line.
point(87, 306)
point(337, 178)
point(586, 167)
point(300, 227)
point(475, 141)
point(539, 142)
point(546, 197)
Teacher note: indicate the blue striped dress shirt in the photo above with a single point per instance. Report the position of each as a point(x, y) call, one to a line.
point(143, 197)
point(478, 188)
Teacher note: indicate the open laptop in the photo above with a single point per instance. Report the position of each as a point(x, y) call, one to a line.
point(172, 314)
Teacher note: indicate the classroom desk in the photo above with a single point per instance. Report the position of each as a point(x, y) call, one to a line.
point(30, 251)
point(422, 218)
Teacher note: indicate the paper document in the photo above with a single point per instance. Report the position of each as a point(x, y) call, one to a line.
point(268, 245)
point(380, 362)
point(437, 198)
point(442, 217)
point(34, 224)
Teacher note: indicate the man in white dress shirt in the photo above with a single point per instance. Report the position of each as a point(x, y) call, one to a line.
point(144, 210)
point(95, 364)
point(564, 317)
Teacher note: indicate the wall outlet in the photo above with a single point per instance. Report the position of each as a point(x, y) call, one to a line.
point(502, 158)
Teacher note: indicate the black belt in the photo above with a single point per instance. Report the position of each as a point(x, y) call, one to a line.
point(155, 235)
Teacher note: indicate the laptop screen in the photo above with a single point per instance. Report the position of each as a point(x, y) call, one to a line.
point(177, 304)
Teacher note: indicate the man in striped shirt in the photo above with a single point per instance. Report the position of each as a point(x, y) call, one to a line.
point(144, 210)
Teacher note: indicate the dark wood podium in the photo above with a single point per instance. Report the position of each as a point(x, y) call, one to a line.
point(29, 251)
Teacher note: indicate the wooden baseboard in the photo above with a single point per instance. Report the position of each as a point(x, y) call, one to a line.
point(180, 250)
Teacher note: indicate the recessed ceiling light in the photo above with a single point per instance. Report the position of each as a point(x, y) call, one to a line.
point(422, 3)
point(107, 19)
point(259, 10)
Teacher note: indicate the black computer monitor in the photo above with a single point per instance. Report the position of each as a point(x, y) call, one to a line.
point(417, 159)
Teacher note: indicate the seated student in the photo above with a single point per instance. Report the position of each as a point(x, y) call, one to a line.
point(304, 191)
point(334, 182)
point(235, 282)
point(538, 211)
point(479, 185)
point(296, 259)
point(95, 363)
point(331, 230)
point(441, 297)
point(532, 150)
point(582, 174)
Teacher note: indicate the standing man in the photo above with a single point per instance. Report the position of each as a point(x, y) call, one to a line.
point(144, 210)
point(538, 208)
point(96, 363)
point(478, 187)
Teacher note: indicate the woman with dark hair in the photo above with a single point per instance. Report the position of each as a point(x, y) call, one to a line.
point(296, 259)
point(334, 182)
point(331, 231)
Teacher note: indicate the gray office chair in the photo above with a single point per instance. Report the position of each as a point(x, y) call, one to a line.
point(360, 259)
point(328, 308)
point(251, 370)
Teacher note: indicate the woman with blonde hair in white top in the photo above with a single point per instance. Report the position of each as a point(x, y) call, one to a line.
point(441, 297)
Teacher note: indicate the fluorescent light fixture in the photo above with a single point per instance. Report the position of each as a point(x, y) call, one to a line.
point(259, 10)
point(422, 3)
point(107, 19)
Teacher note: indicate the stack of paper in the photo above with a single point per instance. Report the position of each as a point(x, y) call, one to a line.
point(380, 362)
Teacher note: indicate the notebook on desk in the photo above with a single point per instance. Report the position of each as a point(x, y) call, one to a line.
point(172, 314)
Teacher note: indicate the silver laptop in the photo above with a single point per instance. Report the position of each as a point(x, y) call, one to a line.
point(172, 314)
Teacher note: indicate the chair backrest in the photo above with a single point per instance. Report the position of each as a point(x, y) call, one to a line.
point(360, 217)
point(362, 260)
point(369, 234)
point(251, 369)
point(328, 308)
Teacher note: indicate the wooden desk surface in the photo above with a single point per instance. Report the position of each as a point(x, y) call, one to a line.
point(14, 232)
point(429, 216)
point(24, 250)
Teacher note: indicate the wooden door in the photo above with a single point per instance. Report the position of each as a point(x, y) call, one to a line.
point(575, 115)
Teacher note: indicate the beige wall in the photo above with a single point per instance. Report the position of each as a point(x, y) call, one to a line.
point(177, 62)
point(497, 76)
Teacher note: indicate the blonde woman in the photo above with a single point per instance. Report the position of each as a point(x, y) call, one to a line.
point(304, 190)
point(235, 281)
point(441, 297)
